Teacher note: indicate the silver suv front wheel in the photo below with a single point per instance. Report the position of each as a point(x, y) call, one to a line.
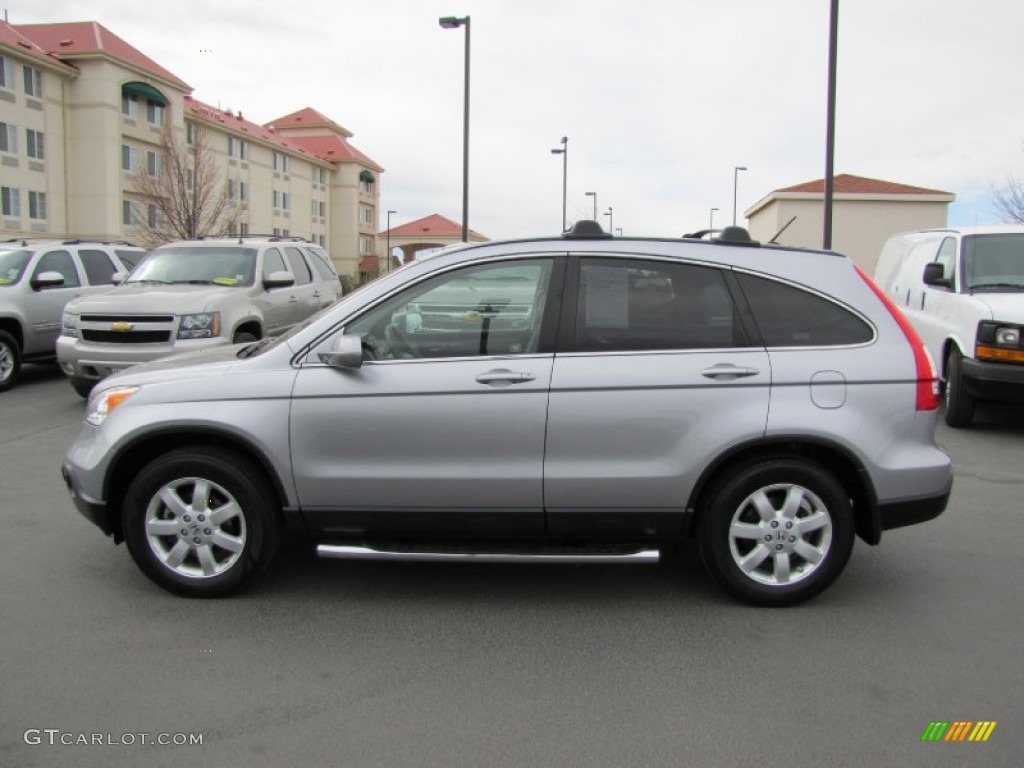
point(200, 522)
point(777, 532)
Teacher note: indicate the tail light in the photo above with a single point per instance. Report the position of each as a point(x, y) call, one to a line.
point(927, 380)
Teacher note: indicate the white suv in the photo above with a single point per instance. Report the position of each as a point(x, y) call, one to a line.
point(37, 278)
point(195, 295)
point(963, 289)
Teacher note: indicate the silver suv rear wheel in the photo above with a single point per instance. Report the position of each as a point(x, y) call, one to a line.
point(777, 532)
point(10, 360)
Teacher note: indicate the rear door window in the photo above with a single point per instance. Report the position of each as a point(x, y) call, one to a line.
point(299, 266)
point(638, 305)
point(788, 316)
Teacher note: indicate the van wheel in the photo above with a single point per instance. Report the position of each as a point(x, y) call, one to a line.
point(959, 402)
point(200, 522)
point(777, 532)
point(10, 360)
point(82, 386)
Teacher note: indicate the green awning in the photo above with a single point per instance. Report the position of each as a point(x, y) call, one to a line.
point(367, 177)
point(146, 91)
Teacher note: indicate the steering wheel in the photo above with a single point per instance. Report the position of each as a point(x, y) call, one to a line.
point(399, 342)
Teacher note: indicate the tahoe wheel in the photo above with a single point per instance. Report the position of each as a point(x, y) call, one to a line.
point(10, 360)
point(82, 386)
point(200, 522)
point(959, 402)
point(777, 532)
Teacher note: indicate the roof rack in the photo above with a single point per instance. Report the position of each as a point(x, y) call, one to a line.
point(586, 229)
point(81, 240)
point(732, 235)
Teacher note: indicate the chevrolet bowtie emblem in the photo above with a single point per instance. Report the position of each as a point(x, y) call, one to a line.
point(121, 327)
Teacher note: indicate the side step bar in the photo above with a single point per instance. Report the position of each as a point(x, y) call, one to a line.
point(437, 556)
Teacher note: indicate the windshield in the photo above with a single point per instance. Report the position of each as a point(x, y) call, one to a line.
point(12, 266)
point(994, 262)
point(214, 265)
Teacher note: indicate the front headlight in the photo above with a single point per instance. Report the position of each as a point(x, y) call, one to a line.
point(102, 405)
point(69, 325)
point(205, 325)
point(999, 342)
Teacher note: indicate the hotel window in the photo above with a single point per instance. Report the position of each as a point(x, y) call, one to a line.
point(243, 228)
point(238, 148)
point(365, 245)
point(243, 191)
point(129, 105)
point(280, 162)
point(277, 200)
point(8, 138)
point(152, 217)
point(34, 140)
point(37, 205)
point(10, 201)
point(231, 189)
point(154, 113)
point(33, 82)
point(127, 213)
point(365, 185)
point(129, 158)
point(365, 215)
point(322, 207)
point(190, 133)
point(153, 163)
point(6, 73)
point(286, 201)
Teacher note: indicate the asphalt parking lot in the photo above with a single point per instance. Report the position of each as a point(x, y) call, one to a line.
point(376, 664)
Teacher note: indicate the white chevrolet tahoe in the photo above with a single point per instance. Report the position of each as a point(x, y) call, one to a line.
point(195, 295)
point(963, 289)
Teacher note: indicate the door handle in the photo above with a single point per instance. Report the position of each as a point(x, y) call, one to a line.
point(293, 300)
point(728, 372)
point(504, 376)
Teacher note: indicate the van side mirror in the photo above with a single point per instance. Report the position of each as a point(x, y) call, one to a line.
point(47, 280)
point(934, 275)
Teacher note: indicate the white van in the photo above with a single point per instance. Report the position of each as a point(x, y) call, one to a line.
point(963, 290)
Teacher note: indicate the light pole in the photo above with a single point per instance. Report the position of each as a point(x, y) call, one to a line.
point(389, 240)
point(593, 195)
point(735, 181)
point(564, 152)
point(711, 221)
point(611, 219)
point(454, 22)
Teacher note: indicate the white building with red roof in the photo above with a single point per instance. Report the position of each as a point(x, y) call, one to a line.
point(81, 111)
point(429, 233)
point(865, 212)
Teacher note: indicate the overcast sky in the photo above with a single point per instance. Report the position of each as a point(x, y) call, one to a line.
point(660, 99)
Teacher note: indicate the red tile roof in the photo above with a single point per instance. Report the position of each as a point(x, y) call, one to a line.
point(845, 183)
point(308, 118)
point(82, 38)
point(333, 148)
point(435, 224)
point(11, 37)
point(243, 128)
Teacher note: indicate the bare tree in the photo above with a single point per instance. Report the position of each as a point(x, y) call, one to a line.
point(187, 189)
point(1009, 201)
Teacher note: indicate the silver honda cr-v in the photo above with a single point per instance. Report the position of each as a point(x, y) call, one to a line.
point(574, 399)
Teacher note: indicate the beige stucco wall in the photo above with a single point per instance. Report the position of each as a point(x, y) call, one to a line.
point(24, 173)
point(860, 224)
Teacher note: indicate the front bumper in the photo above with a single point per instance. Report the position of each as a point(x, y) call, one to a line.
point(94, 511)
point(1002, 382)
point(85, 360)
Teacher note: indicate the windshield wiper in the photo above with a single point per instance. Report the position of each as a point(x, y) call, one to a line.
point(252, 349)
point(192, 282)
point(148, 280)
point(1017, 286)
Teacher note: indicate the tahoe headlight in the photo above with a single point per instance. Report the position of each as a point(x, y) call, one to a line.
point(1008, 337)
point(102, 405)
point(204, 325)
point(69, 325)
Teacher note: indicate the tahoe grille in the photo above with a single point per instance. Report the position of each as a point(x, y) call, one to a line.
point(144, 329)
point(129, 337)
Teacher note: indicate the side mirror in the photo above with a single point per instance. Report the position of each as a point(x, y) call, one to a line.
point(934, 275)
point(346, 351)
point(47, 280)
point(278, 280)
point(118, 277)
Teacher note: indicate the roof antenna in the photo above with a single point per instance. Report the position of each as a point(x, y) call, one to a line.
point(784, 228)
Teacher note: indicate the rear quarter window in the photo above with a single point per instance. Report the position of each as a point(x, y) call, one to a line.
point(788, 316)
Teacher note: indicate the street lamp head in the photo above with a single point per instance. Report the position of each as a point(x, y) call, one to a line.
point(557, 151)
point(453, 22)
point(741, 167)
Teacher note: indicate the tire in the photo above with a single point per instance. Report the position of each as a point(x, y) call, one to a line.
point(10, 361)
point(208, 548)
point(959, 402)
point(777, 532)
point(82, 386)
point(243, 337)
